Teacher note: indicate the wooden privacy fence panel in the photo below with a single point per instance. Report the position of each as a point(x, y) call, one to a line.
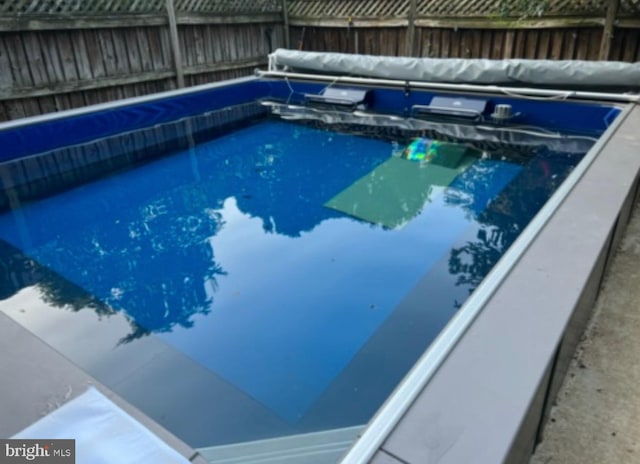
point(509, 7)
point(88, 7)
point(562, 43)
point(44, 71)
point(346, 8)
point(626, 45)
point(494, 9)
point(54, 67)
point(80, 6)
point(499, 29)
point(229, 7)
point(59, 54)
point(368, 40)
point(557, 44)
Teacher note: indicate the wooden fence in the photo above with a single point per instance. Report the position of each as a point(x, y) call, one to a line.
point(579, 43)
point(498, 29)
point(60, 54)
point(90, 52)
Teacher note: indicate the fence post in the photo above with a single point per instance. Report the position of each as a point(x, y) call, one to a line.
point(285, 19)
point(411, 29)
point(175, 43)
point(607, 33)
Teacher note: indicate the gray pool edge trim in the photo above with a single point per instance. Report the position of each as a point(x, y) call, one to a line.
point(305, 448)
point(15, 123)
point(394, 408)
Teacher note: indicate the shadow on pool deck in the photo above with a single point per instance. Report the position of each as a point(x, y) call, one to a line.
point(596, 416)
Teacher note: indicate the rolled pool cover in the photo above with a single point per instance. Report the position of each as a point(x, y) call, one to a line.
point(556, 73)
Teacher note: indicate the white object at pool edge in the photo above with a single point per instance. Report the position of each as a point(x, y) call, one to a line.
point(104, 433)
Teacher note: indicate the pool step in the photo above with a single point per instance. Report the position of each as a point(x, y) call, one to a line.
point(309, 448)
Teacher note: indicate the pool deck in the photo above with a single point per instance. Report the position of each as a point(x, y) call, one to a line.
point(596, 418)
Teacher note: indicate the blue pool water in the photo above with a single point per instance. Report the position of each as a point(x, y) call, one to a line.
point(227, 253)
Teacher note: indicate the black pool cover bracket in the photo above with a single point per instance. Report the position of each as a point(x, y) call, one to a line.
point(467, 108)
point(339, 96)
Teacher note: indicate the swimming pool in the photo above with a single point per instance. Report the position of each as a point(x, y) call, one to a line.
point(271, 277)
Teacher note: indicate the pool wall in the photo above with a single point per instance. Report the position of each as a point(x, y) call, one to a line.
point(47, 154)
point(44, 155)
point(25, 137)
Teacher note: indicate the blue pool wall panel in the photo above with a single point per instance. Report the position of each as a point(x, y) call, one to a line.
point(30, 139)
point(24, 140)
point(550, 113)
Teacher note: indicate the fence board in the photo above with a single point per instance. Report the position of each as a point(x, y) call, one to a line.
point(83, 63)
point(47, 104)
point(52, 60)
point(158, 57)
point(184, 40)
point(531, 45)
point(121, 52)
point(424, 40)
point(6, 76)
point(94, 53)
point(18, 60)
point(544, 40)
point(444, 43)
point(232, 48)
point(4, 113)
point(581, 51)
point(76, 100)
point(107, 51)
point(198, 42)
point(486, 45)
point(68, 59)
point(146, 58)
point(498, 42)
point(133, 51)
point(556, 44)
point(509, 44)
point(31, 108)
point(465, 44)
point(631, 48)
point(36, 63)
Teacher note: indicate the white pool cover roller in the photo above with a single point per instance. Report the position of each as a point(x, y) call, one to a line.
point(457, 70)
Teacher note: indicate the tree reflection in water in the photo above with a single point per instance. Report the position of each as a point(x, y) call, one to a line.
point(140, 241)
point(155, 267)
point(142, 244)
point(506, 217)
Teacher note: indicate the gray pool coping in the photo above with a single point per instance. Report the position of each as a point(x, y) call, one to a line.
point(486, 402)
point(36, 380)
